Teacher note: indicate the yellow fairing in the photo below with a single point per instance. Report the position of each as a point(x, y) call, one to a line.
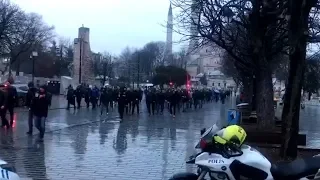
point(234, 134)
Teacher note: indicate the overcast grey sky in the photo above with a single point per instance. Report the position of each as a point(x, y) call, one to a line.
point(114, 24)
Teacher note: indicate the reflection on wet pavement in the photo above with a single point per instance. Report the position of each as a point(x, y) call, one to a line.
point(83, 145)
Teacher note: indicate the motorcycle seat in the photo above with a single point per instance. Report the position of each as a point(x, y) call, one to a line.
point(296, 169)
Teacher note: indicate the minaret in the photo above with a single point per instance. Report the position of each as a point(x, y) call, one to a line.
point(168, 48)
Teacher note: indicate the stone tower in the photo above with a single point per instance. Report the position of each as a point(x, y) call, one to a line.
point(83, 55)
point(168, 49)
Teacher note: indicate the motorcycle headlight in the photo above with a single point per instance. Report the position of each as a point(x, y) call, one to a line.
point(8, 167)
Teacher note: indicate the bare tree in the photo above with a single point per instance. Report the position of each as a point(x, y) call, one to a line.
point(10, 20)
point(251, 32)
point(124, 68)
point(281, 70)
point(30, 32)
point(154, 52)
point(241, 76)
point(63, 48)
point(105, 68)
point(63, 55)
point(180, 58)
point(229, 69)
point(137, 65)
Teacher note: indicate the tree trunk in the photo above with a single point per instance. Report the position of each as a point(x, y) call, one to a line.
point(264, 99)
point(298, 26)
point(247, 90)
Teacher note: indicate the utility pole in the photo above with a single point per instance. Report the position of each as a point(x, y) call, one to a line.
point(129, 73)
point(80, 59)
point(33, 62)
point(104, 68)
point(110, 67)
point(138, 79)
point(33, 55)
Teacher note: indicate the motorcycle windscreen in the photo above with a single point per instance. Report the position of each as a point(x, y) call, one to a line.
point(208, 134)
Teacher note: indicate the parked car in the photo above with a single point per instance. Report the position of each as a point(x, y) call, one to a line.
point(22, 90)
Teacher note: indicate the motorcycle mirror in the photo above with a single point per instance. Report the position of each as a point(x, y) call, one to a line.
point(191, 161)
point(203, 131)
point(318, 155)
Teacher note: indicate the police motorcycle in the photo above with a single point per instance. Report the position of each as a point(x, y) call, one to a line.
point(224, 157)
point(7, 171)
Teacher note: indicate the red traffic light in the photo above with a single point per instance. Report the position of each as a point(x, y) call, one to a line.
point(170, 83)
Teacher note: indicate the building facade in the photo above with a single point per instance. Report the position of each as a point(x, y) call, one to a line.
point(205, 60)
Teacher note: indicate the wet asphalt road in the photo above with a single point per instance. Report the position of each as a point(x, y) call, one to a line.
point(83, 145)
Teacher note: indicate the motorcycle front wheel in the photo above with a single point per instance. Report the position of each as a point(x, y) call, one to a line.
point(184, 176)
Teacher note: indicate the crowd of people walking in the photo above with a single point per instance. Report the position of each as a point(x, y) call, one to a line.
point(128, 100)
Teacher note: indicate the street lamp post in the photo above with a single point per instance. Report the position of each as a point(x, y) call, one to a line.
point(33, 57)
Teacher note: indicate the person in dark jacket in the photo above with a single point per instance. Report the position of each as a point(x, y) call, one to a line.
point(87, 93)
point(222, 96)
point(151, 101)
point(174, 99)
point(129, 100)
point(185, 100)
point(94, 96)
point(140, 95)
point(196, 96)
point(135, 101)
point(78, 94)
point(115, 93)
point(160, 96)
point(71, 97)
point(3, 108)
point(11, 100)
point(122, 101)
point(40, 106)
point(105, 99)
point(111, 101)
point(30, 95)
